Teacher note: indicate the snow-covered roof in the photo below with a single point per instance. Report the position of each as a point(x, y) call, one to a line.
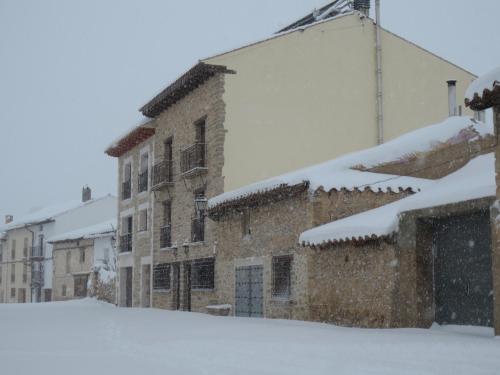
point(131, 138)
point(487, 81)
point(473, 181)
point(338, 173)
point(103, 229)
point(47, 214)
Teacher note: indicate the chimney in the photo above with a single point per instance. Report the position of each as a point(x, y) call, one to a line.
point(362, 6)
point(8, 219)
point(86, 194)
point(452, 97)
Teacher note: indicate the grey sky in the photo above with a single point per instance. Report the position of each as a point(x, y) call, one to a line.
point(74, 73)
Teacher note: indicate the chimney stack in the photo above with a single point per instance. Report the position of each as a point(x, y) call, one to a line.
point(362, 6)
point(8, 219)
point(86, 194)
point(452, 97)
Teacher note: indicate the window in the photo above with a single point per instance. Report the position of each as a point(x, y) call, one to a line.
point(25, 273)
point(106, 256)
point(12, 273)
point(82, 255)
point(200, 130)
point(202, 273)
point(126, 237)
point(143, 220)
point(25, 247)
point(198, 224)
point(68, 261)
point(63, 292)
point(281, 275)
point(143, 172)
point(166, 229)
point(127, 181)
point(13, 250)
point(12, 292)
point(161, 276)
point(245, 223)
point(1, 274)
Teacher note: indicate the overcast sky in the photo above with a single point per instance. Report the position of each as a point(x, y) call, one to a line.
point(74, 73)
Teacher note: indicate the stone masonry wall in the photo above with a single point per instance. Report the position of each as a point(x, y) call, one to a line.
point(178, 123)
point(274, 230)
point(353, 285)
point(141, 247)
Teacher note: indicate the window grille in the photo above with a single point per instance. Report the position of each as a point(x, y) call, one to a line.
point(202, 273)
point(281, 276)
point(161, 276)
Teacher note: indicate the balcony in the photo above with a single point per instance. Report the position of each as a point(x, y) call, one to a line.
point(36, 278)
point(198, 229)
point(126, 189)
point(36, 252)
point(193, 159)
point(143, 181)
point(165, 237)
point(162, 174)
point(126, 243)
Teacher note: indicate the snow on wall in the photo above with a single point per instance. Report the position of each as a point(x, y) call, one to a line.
point(486, 82)
point(337, 173)
point(475, 180)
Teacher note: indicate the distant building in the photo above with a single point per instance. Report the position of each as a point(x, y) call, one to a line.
point(27, 263)
point(85, 263)
point(303, 96)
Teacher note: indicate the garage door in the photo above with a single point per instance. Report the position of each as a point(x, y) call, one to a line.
point(462, 270)
point(249, 291)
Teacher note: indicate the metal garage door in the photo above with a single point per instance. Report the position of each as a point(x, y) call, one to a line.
point(462, 270)
point(249, 291)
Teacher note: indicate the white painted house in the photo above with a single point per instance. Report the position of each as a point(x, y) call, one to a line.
point(47, 223)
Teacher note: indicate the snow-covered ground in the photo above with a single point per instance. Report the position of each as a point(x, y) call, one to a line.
point(90, 337)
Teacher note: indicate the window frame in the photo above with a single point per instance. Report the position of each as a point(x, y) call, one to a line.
point(281, 261)
point(142, 220)
point(199, 280)
point(162, 276)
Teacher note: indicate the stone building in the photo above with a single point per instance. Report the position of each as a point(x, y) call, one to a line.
point(246, 115)
point(261, 270)
point(484, 93)
point(85, 263)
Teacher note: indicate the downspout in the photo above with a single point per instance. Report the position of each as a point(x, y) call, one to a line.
point(380, 89)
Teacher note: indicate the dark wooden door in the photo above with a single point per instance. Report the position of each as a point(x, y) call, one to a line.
point(176, 286)
point(463, 270)
point(80, 282)
point(187, 287)
point(128, 287)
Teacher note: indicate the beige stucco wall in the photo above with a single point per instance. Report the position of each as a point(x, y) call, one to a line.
point(19, 262)
point(309, 96)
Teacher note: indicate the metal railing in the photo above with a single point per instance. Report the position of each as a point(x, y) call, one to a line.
point(126, 243)
point(126, 189)
point(143, 181)
point(198, 229)
point(162, 173)
point(37, 278)
point(165, 236)
point(193, 157)
point(36, 251)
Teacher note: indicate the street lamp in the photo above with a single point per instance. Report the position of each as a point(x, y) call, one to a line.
point(201, 203)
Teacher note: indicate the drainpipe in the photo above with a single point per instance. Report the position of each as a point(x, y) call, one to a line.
point(380, 91)
point(29, 256)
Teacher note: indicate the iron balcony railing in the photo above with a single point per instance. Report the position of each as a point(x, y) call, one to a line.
point(165, 236)
point(198, 229)
point(162, 173)
point(126, 189)
point(143, 181)
point(37, 278)
point(36, 251)
point(126, 243)
point(193, 158)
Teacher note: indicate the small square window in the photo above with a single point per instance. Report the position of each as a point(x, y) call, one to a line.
point(82, 255)
point(281, 275)
point(245, 223)
point(161, 276)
